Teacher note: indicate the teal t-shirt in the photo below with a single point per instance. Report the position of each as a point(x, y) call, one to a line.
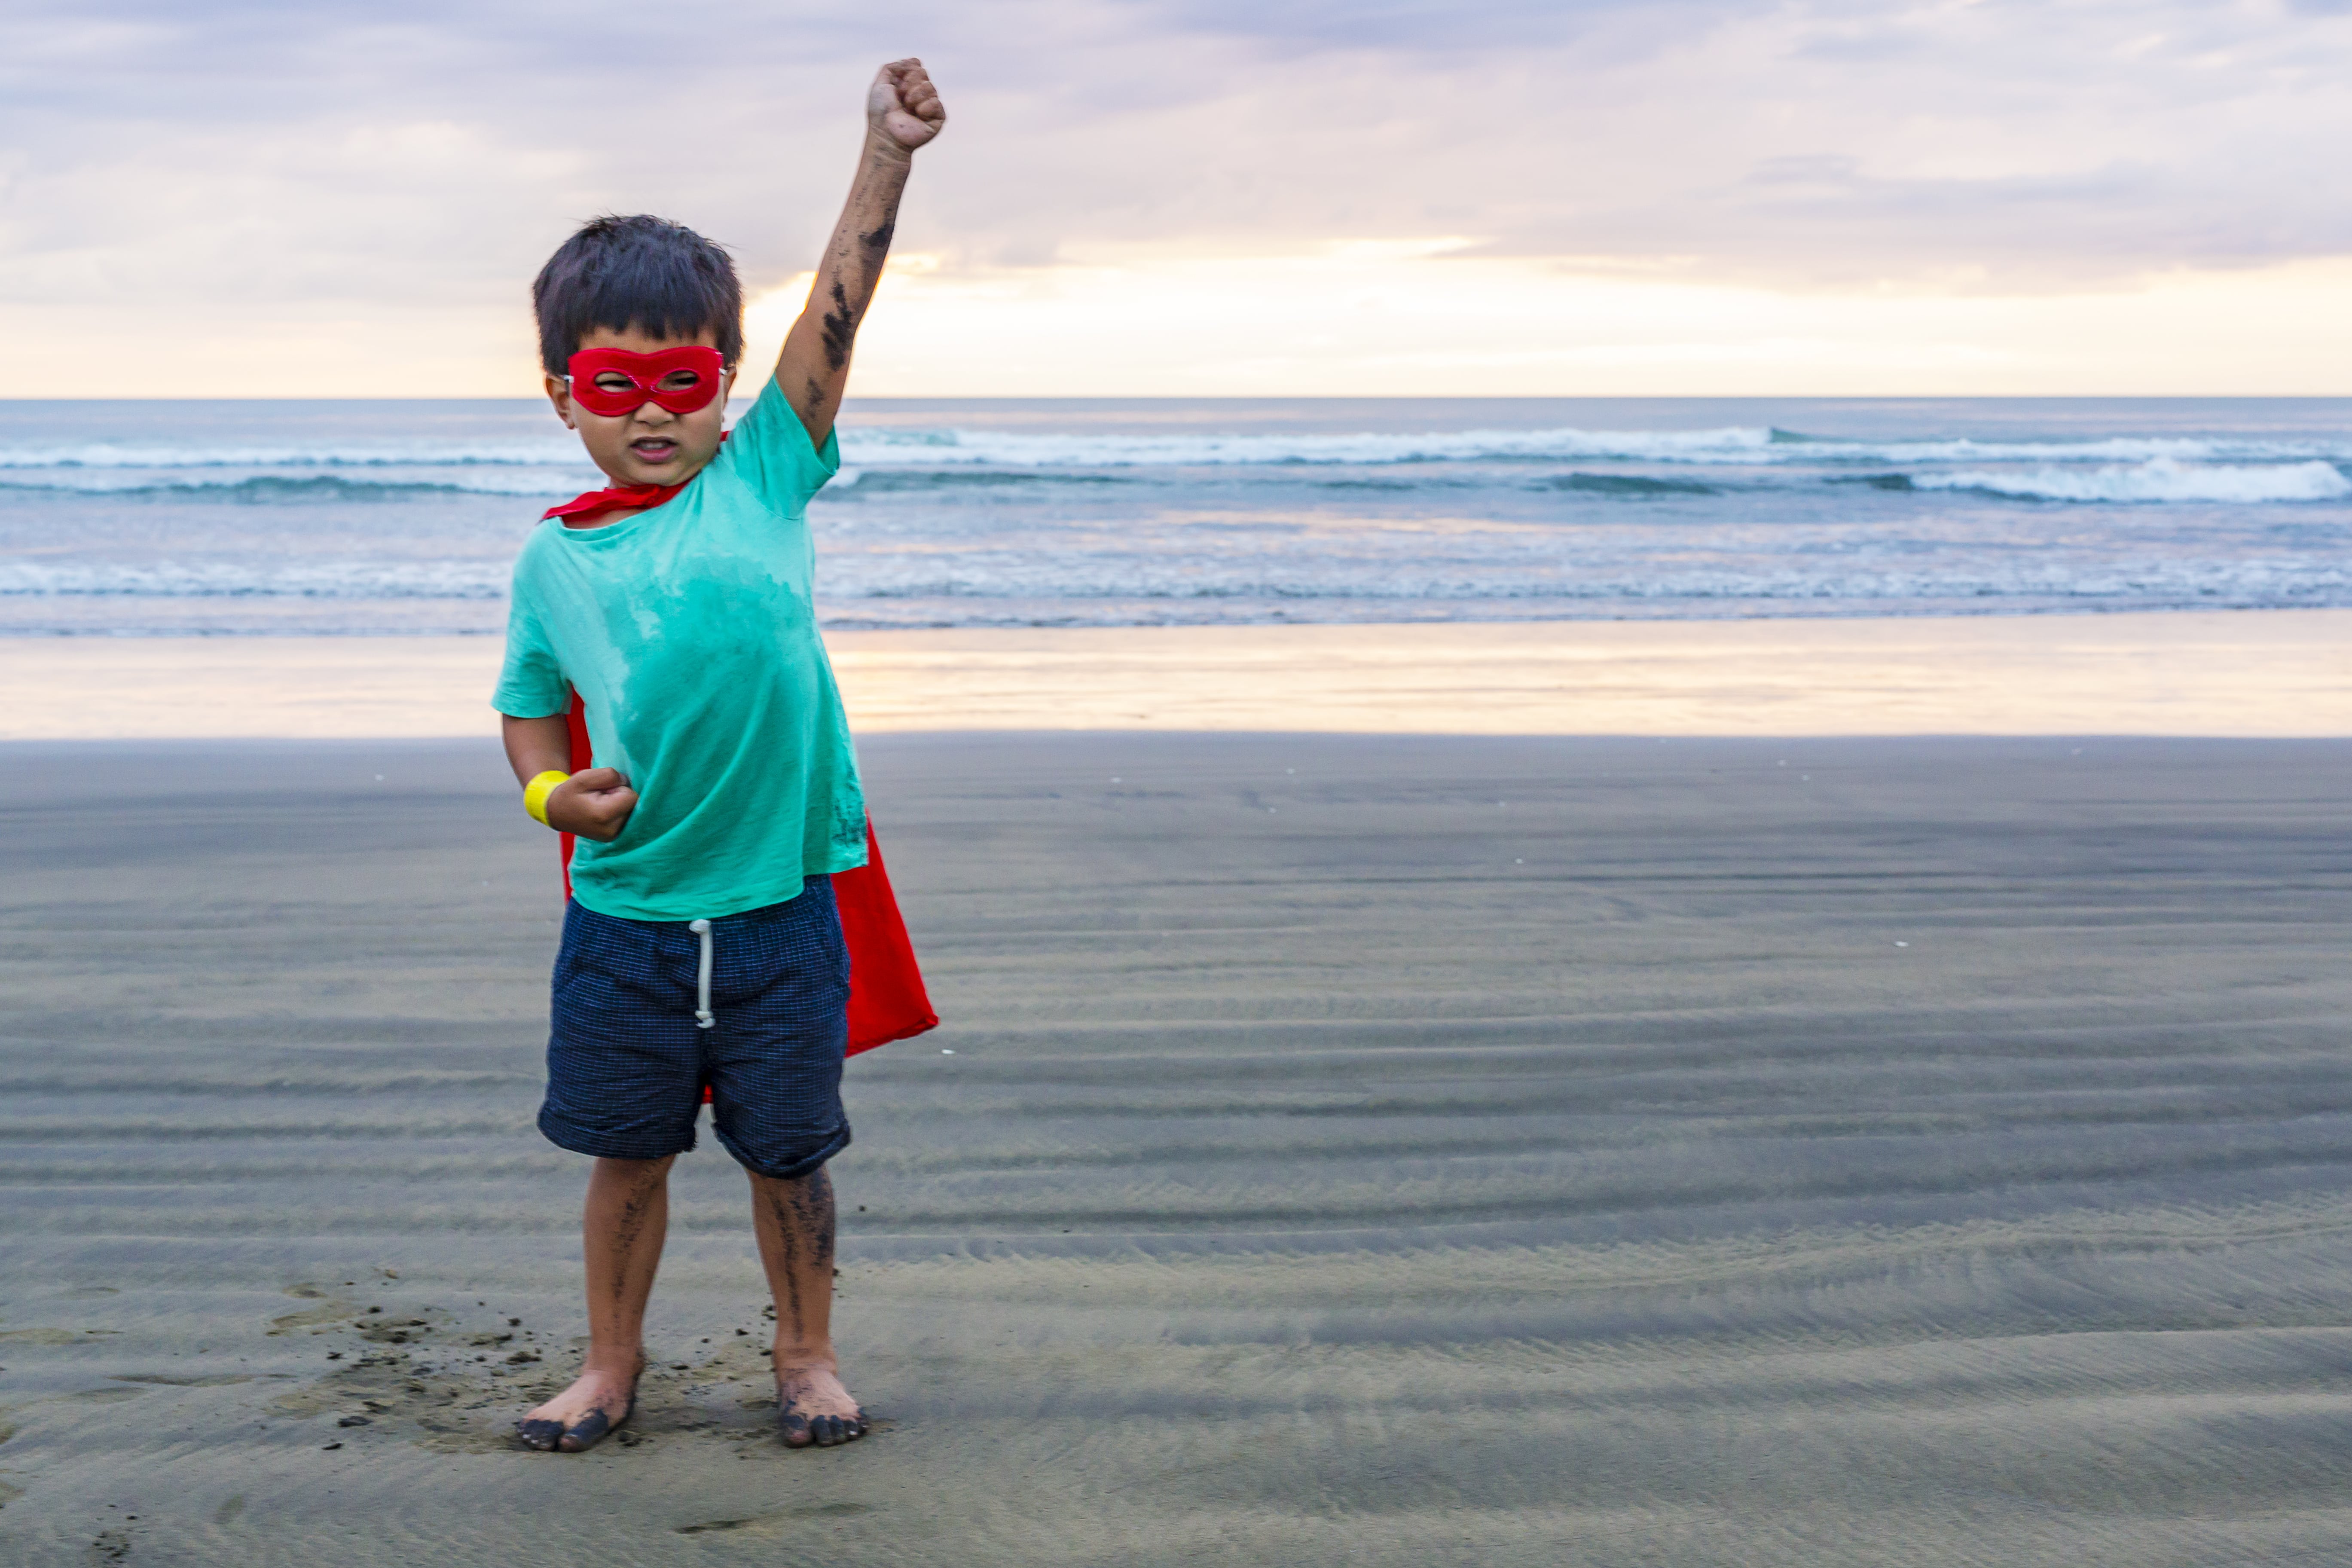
point(689, 632)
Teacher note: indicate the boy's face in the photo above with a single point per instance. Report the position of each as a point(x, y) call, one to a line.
point(651, 445)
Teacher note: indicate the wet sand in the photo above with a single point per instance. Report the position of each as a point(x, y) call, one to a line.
point(1354, 1150)
point(2258, 673)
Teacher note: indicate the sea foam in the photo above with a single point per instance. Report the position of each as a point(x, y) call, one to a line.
point(2159, 479)
point(563, 450)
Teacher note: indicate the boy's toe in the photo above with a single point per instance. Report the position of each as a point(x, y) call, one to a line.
point(803, 1427)
point(591, 1429)
point(543, 1436)
point(586, 1434)
point(800, 1431)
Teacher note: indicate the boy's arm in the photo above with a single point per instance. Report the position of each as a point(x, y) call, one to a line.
point(593, 803)
point(902, 112)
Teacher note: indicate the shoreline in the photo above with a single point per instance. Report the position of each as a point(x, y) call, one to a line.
point(2230, 673)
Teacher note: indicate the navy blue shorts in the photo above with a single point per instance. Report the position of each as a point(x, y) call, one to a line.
point(628, 1060)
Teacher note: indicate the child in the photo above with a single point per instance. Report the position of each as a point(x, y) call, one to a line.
point(701, 946)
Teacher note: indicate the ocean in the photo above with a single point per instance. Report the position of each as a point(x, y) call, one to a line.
point(255, 518)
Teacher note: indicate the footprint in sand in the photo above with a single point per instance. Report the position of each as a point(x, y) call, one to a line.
point(314, 1317)
point(779, 1520)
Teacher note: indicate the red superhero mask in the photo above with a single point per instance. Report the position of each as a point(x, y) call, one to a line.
point(680, 380)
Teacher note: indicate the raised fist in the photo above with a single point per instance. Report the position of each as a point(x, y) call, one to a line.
point(903, 106)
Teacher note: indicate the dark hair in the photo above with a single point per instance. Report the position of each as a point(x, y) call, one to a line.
point(644, 273)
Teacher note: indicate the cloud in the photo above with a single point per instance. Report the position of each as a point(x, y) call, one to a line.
point(271, 163)
point(1426, 27)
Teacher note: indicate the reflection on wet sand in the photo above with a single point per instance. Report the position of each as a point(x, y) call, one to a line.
point(2248, 673)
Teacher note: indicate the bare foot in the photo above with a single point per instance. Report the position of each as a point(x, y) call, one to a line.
point(582, 1415)
point(812, 1407)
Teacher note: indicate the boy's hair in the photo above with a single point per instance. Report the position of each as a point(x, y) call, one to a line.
point(643, 271)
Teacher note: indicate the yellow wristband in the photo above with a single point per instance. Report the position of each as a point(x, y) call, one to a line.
point(535, 794)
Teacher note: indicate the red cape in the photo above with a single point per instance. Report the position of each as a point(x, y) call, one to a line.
point(887, 1000)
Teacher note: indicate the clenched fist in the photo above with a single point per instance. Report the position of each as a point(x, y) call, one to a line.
point(593, 803)
point(902, 108)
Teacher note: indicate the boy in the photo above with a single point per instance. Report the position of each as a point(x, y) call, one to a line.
point(701, 946)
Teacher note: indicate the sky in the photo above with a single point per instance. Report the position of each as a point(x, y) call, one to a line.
point(1207, 198)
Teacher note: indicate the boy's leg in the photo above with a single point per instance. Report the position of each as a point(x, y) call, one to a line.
point(623, 1086)
point(795, 1219)
point(627, 1218)
point(780, 989)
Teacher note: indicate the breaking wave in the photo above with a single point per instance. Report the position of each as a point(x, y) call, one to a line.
point(1750, 444)
point(328, 488)
point(552, 452)
point(2159, 479)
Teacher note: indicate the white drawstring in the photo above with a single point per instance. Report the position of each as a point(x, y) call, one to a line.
point(702, 1017)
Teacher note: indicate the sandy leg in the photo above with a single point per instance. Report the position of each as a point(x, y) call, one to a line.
point(794, 1220)
point(626, 1219)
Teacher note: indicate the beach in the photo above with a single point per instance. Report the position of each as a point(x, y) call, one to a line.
point(1913, 1139)
point(1618, 741)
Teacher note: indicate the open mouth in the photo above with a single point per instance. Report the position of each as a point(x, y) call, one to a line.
point(654, 449)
